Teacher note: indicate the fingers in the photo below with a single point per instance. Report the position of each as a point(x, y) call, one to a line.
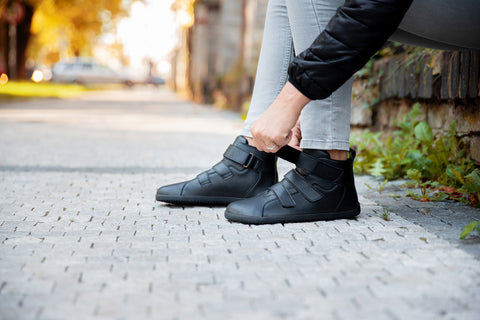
point(270, 146)
point(294, 142)
point(266, 143)
point(273, 129)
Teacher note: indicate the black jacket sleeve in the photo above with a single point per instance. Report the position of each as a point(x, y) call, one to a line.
point(357, 30)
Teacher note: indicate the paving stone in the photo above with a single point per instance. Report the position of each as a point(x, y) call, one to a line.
point(81, 236)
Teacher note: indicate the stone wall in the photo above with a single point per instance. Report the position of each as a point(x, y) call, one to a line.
point(439, 75)
point(446, 84)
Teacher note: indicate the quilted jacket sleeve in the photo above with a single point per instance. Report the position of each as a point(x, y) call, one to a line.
point(357, 30)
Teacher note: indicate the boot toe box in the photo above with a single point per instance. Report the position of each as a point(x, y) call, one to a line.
point(246, 211)
point(172, 190)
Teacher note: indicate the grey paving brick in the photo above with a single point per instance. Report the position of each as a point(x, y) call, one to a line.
point(81, 236)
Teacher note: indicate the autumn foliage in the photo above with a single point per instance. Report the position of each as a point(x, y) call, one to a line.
point(52, 27)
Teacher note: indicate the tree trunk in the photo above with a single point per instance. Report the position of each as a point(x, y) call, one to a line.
point(22, 38)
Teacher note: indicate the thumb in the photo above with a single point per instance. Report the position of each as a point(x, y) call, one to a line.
point(289, 137)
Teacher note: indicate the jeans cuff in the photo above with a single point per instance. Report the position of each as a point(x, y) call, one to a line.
point(325, 145)
point(246, 132)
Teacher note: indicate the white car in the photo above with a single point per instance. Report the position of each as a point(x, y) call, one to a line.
point(87, 71)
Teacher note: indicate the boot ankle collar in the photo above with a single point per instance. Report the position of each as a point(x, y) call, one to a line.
point(318, 167)
point(311, 165)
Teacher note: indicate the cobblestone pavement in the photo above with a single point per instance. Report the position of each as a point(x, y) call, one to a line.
point(81, 236)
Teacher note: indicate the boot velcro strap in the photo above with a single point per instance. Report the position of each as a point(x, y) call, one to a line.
point(222, 170)
point(203, 178)
point(283, 195)
point(317, 167)
point(303, 186)
point(288, 153)
point(242, 157)
point(308, 163)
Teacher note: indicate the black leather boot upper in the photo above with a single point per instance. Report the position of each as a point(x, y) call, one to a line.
point(243, 172)
point(318, 189)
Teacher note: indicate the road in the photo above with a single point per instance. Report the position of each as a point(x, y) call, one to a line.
point(81, 236)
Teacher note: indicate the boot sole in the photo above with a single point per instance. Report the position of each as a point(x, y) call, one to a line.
point(324, 216)
point(196, 200)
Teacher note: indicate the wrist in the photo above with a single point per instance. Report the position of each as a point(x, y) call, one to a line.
point(295, 99)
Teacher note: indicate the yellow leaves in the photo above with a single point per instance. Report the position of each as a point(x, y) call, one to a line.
point(185, 11)
point(70, 27)
point(186, 5)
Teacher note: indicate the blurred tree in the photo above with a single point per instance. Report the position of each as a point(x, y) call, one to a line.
point(20, 37)
point(185, 11)
point(56, 28)
point(186, 5)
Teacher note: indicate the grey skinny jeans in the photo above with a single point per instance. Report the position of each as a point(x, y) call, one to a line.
point(292, 25)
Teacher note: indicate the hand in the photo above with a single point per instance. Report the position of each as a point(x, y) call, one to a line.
point(296, 136)
point(273, 129)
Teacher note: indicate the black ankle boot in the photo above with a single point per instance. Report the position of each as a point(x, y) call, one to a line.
point(243, 172)
point(318, 189)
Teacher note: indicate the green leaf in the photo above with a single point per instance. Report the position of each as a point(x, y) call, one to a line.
point(468, 229)
point(415, 112)
point(478, 227)
point(439, 196)
point(458, 175)
point(413, 195)
point(473, 181)
point(414, 174)
point(377, 169)
point(420, 162)
point(381, 187)
point(423, 132)
point(453, 173)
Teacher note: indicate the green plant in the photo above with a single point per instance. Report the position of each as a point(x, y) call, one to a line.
point(474, 225)
point(438, 165)
point(442, 160)
point(424, 186)
point(410, 55)
point(380, 186)
point(413, 147)
point(386, 213)
point(389, 49)
point(388, 156)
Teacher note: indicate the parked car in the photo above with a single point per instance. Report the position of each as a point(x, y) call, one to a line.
point(155, 80)
point(88, 71)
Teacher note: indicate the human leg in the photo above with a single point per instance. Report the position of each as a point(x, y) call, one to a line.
point(325, 124)
point(439, 24)
point(275, 56)
point(431, 23)
point(320, 188)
